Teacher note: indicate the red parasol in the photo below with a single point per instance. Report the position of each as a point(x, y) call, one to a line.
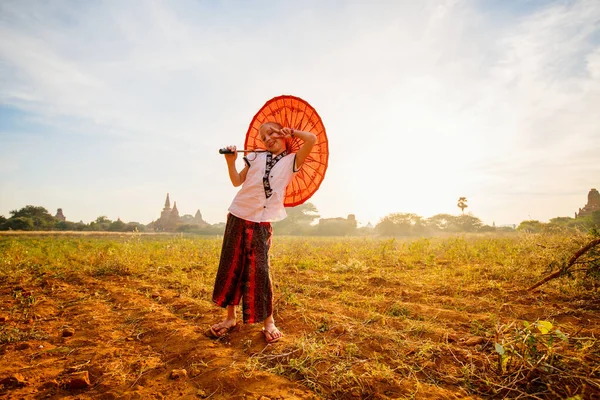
point(293, 112)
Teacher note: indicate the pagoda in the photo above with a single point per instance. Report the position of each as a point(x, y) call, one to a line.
point(593, 204)
point(59, 215)
point(170, 219)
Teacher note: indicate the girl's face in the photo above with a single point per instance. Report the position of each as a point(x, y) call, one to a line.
point(269, 135)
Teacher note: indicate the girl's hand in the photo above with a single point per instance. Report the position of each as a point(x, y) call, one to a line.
point(286, 132)
point(231, 157)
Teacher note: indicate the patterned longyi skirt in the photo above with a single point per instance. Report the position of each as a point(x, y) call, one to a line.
point(244, 269)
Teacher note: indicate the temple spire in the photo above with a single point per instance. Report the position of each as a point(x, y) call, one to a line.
point(593, 204)
point(167, 202)
point(173, 219)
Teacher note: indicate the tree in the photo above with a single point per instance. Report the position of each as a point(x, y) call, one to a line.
point(298, 221)
point(561, 224)
point(400, 224)
point(102, 219)
point(462, 204)
point(117, 226)
point(441, 222)
point(487, 228)
point(135, 227)
point(19, 224)
point(530, 226)
point(100, 224)
point(565, 221)
point(40, 218)
point(69, 226)
point(596, 219)
point(467, 223)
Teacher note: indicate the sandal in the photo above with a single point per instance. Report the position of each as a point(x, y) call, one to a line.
point(271, 334)
point(214, 334)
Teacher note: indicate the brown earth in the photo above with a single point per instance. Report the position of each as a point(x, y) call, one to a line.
point(115, 337)
point(128, 338)
point(376, 326)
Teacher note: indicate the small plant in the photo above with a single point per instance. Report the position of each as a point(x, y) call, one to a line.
point(532, 358)
point(531, 347)
point(352, 265)
point(13, 335)
point(398, 310)
point(351, 350)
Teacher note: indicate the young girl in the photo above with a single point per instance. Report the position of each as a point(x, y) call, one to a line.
point(244, 266)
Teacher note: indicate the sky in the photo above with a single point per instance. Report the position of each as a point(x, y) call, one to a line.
point(107, 106)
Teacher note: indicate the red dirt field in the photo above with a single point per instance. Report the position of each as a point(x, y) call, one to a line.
point(129, 339)
point(363, 319)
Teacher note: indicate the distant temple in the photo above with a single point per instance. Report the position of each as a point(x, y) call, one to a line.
point(337, 226)
point(593, 204)
point(350, 221)
point(59, 215)
point(169, 218)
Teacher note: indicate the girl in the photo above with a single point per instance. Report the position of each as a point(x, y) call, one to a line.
point(244, 266)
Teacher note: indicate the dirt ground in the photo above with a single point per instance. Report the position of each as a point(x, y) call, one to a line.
point(106, 326)
point(407, 327)
point(119, 338)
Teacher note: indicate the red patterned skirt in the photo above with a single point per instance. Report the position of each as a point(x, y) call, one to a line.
point(244, 269)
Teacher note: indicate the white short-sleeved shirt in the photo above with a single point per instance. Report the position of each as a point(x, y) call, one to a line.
point(251, 203)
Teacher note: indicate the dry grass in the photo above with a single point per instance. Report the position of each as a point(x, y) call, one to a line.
point(363, 317)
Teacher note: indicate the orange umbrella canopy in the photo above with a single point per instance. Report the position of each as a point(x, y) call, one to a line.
point(293, 112)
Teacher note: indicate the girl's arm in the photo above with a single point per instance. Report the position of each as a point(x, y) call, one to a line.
point(237, 178)
point(309, 140)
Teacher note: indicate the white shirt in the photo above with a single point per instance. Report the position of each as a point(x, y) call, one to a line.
point(251, 203)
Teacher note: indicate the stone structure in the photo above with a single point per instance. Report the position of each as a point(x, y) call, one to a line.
point(169, 218)
point(337, 226)
point(173, 220)
point(166, 212)
point(193, 220)
point(59, 215)
point(593, 204)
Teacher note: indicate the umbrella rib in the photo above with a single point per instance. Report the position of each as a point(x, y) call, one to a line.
point(308, 120)
point(271, 110)
point(302, 110)
point(296, 187)
point(283, 110)
point(300, 113)
point(312, 168)
point(313, 160)
point(295, 116)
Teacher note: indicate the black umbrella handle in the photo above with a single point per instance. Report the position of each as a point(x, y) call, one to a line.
point(227, 151)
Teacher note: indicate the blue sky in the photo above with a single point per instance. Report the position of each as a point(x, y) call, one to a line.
point(106, 106)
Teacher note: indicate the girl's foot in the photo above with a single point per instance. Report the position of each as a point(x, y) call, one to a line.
point(272, 334)
point(223, 327)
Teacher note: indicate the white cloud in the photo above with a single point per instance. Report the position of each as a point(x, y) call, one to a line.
point(423, 101)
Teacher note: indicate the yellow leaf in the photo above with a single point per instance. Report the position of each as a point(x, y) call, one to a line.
point(544, 326)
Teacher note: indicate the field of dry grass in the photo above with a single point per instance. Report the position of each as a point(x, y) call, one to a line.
point(364, 318)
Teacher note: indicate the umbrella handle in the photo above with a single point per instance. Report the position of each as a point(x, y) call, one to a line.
point(227, 151)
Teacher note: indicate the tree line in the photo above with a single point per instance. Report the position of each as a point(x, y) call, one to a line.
point(35, 218)
point(582, 224)
point(302, 220)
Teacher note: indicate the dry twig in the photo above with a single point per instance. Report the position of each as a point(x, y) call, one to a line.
point(571, 261)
